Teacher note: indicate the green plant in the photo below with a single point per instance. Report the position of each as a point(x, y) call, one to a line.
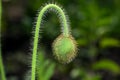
point(108, 65)
point(2, 72)
point(64, 47)
point(45, 67)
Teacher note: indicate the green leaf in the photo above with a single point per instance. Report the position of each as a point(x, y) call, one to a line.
point(40, 64)
point(107, 65)
point(45, 67)
point(49, 71)
point(109, 42)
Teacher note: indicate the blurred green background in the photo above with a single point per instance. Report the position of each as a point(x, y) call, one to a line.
point(95, 25)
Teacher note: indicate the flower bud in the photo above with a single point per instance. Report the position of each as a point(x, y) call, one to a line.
point(65, 48)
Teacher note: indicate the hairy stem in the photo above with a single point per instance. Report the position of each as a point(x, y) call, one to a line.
point(37, 29)
point(2, 72)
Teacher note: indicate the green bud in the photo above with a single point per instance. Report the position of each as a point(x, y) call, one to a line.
point(65, 48)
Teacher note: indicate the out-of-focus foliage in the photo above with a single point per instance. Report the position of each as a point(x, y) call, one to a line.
point(45, 67)
point(109, 42)
point(95, 24)
point(82, 74)
point(107, 65)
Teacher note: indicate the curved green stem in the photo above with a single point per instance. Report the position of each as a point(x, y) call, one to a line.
point(37, 29)
point(2, 72)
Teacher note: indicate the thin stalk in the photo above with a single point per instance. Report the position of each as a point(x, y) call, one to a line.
point(2, 68)
point(1, 62)
point(64, 23)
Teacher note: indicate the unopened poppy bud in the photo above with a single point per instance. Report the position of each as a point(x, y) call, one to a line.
point(65, 48)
